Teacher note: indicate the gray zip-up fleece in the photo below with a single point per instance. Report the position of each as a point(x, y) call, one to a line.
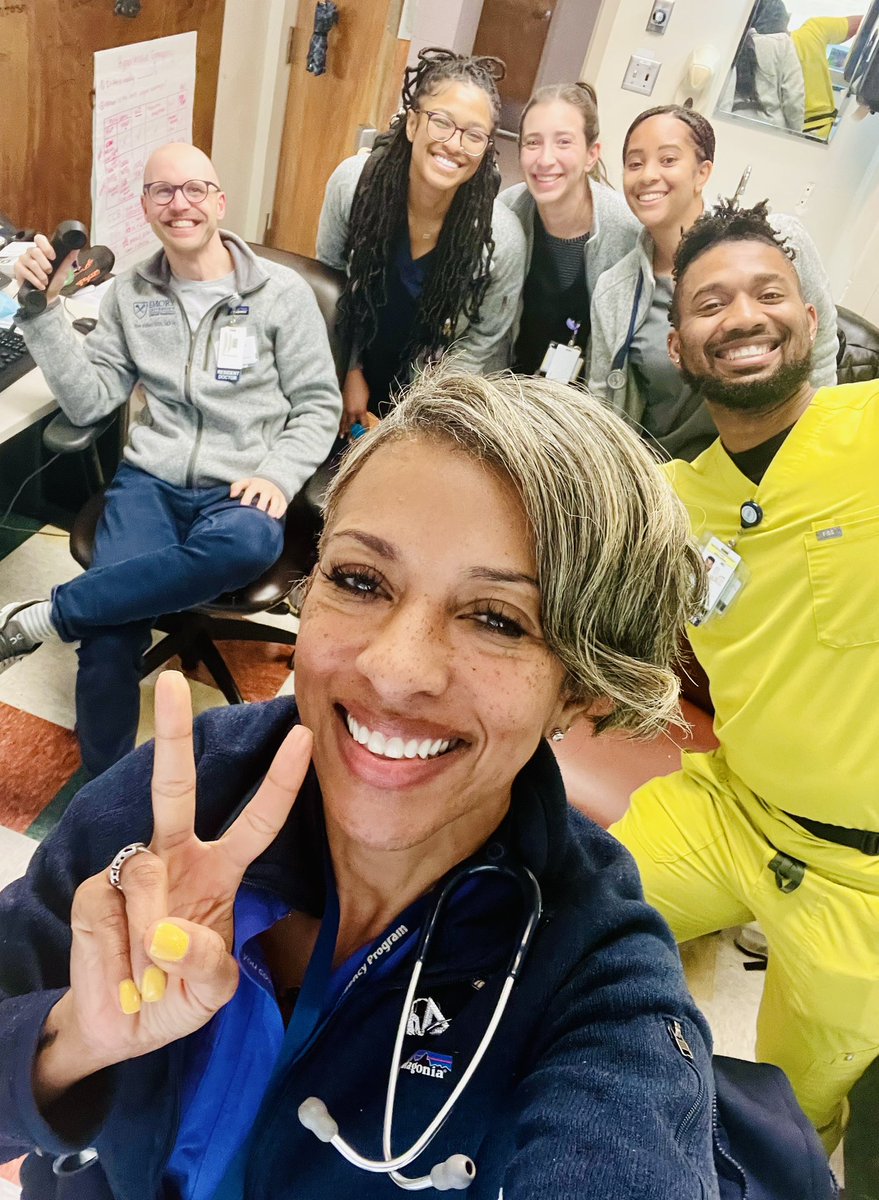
point(481, 347)
point(612, 307)
point(277, 422)
point(614, 231)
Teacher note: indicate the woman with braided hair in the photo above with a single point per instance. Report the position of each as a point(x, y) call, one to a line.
point(668, 156)
point(434, 263)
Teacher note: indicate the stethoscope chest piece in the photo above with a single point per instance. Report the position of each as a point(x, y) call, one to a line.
point(616, 379)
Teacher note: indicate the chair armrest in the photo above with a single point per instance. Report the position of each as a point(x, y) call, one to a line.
point(61, 436)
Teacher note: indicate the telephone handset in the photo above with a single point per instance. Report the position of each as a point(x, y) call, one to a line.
point(69, 236)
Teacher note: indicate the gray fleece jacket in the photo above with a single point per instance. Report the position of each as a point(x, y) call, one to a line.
point(481, 347)
point(614, 231)
point(278, 421)
point(612, 307)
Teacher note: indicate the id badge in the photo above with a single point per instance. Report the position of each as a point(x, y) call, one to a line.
point(727, 575)
point(561, 363)
point(231, 347)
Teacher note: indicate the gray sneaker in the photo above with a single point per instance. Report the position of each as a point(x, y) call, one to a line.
point(14, 642)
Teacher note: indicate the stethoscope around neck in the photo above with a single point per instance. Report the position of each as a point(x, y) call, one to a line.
point(458, 1171)
point(616, 376)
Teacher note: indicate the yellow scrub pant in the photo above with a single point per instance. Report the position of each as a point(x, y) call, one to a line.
point(704, 843)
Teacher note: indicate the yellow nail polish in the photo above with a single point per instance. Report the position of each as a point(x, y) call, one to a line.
point(129, 997)
point(152, 986)
point(169, 942)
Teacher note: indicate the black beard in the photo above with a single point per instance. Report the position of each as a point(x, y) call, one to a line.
point(751, 396)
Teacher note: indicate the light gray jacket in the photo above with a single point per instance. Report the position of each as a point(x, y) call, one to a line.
point(278, 421)
point(614, 231)
point(481, 347)
point(779, 84)
point(614, 296)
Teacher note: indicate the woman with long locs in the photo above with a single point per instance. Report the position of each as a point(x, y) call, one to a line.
point(435, 264)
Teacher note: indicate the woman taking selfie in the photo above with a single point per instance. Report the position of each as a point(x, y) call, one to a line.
point(249, 976)
point(668, 156)
point(575, 224)
point(434, 263)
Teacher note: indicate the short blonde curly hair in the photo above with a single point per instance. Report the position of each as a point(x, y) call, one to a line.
point(619, 573)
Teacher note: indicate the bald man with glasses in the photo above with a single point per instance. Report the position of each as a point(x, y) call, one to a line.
point(241, 407)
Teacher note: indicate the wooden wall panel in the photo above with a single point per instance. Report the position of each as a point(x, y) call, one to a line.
point(47, 75)
point(14, 49)
point(360, 88)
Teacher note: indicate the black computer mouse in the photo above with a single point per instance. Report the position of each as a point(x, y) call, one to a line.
point(84, 324)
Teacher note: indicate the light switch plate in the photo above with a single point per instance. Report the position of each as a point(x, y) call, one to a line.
point(660, 15)
point(641, 75)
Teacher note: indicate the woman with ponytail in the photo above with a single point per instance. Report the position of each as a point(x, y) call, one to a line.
point(575, 224)
point(435, 264)
point(668, 157)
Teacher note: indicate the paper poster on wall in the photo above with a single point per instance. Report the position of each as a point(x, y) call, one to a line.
point(143, 98)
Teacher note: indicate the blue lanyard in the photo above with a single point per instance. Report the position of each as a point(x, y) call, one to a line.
point(619, 359)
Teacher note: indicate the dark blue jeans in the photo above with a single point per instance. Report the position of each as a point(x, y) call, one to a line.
point(158, 549)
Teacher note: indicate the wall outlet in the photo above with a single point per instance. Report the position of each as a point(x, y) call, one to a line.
point(641, 75)
point(660, 15)
point(804, 198)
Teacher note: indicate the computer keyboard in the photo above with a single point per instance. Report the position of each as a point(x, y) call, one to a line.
point(14, 358)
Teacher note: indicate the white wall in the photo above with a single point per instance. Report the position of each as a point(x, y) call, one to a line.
point(251, 101)
point(842, 207)
point(569, 33)
point(449, 23)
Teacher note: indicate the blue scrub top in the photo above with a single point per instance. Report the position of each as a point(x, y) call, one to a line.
point(229, 1063)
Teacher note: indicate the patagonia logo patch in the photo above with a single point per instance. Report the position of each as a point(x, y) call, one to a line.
point(827, 535)
point(428, 1062)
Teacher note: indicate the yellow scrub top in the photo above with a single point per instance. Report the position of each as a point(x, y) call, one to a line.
point(810, 42)
point(794, 661)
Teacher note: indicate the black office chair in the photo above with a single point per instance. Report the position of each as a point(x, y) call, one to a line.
point(193, 634)
point(857, 359)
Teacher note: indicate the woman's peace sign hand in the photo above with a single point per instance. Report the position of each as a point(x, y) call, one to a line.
point(150, 961)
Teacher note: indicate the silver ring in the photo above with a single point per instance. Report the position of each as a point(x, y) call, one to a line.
point(114, 871)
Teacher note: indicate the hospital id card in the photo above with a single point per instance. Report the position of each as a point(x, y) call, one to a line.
point(231, 348)
point(726, 576)
point(561, 363)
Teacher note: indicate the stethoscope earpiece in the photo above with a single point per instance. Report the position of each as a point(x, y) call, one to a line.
point(314, 1115)
point(454, 1175)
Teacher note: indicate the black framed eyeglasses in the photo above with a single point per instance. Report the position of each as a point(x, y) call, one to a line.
point(441, 128)
point(194, 190)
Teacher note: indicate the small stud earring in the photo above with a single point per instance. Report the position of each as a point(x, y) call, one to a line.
point(558, 735)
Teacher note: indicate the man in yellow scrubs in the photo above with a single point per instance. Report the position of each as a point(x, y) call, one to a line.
point(810, 42)
point(781, 822)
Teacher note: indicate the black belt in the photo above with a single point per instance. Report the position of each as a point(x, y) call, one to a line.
point(858, 839)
